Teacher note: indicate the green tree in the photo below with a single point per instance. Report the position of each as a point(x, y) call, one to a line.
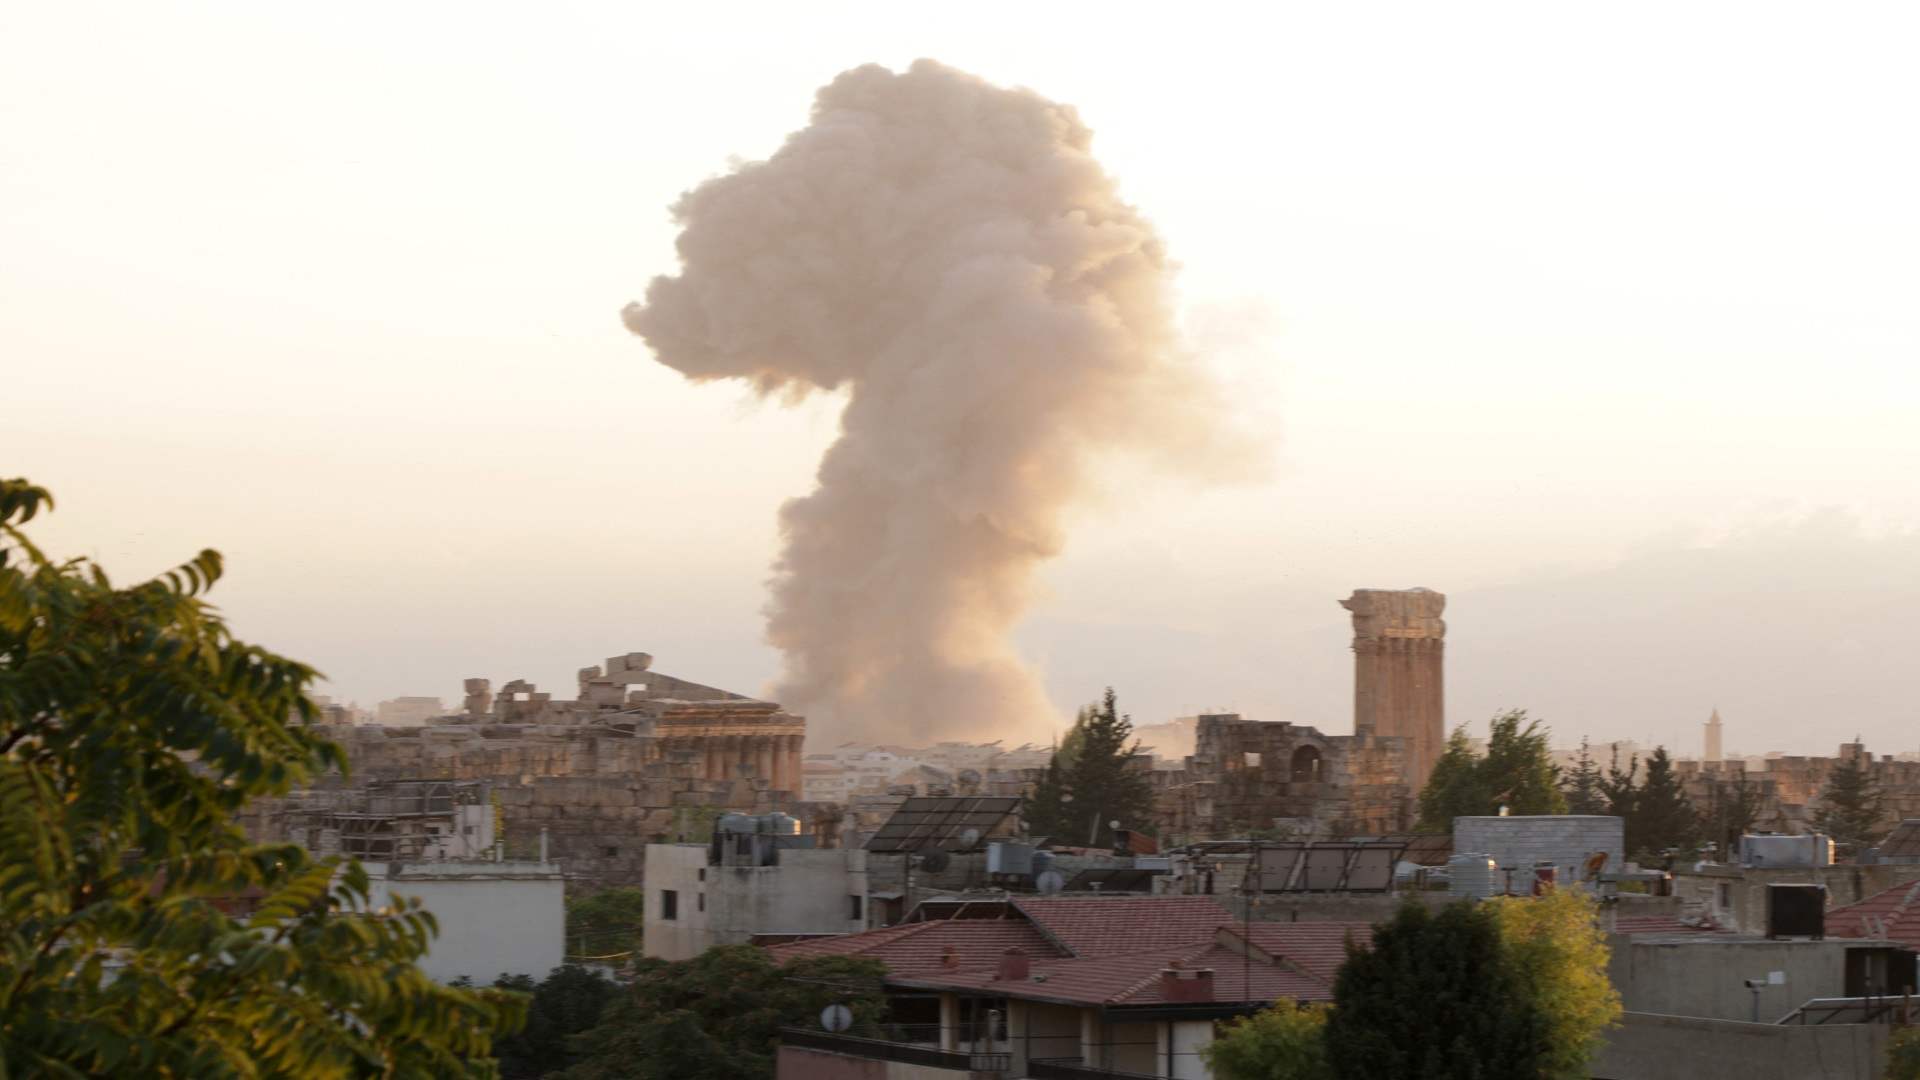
point(1098, 783)
point(606, 925)
point(1284, 1042)
point(1903, 1054)
point(717, 1016)
point(1733, 807)
point(1434, 997)
point(1851, 808)
point(1516, 772)
point(1662, 817)
point(568, 1002)
point(1556, 949)
point(1582, 785)
point(133, 727)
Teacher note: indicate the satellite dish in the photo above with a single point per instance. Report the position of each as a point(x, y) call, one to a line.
point(933, 861)
point(836, 1018)
point(969, 839)
point(1050, 882)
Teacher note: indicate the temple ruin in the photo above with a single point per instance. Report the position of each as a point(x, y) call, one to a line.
point(1251, 776)
point(1399, 644)
point(636, 757)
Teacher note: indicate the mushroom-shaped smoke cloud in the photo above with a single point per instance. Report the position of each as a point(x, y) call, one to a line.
point(952, 254)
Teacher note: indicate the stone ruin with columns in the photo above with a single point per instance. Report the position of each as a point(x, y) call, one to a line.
point(637, 757)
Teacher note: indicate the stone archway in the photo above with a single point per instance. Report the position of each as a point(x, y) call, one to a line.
point(1307, 766)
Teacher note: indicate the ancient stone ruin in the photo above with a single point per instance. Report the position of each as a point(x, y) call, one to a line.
point(1249, 776)
point(637, 757)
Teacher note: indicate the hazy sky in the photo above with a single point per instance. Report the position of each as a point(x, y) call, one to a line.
point(1602, 321)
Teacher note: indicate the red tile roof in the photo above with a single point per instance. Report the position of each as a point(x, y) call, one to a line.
point(1893, 915)
point(911, 948)
point(1107, 926)
point(1136, 979)
point(1318, 948)
point(1295, 960)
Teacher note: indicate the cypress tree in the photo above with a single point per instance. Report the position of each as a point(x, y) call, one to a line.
point(1850, 808)
point(1582, 786)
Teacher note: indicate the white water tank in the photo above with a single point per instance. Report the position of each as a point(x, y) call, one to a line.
point(1473, 876)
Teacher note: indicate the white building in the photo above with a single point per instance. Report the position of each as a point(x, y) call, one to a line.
point(696, 900)
point(496, 918)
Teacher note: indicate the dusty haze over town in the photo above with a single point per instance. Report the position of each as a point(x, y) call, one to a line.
point(1615, 352)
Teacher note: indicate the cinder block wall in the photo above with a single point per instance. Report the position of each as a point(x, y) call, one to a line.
point(1565, 840)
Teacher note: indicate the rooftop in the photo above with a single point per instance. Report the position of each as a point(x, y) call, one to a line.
point(1893, 915)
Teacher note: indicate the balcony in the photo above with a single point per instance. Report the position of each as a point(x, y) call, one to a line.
point(911, 1053)
point(1072, 1069)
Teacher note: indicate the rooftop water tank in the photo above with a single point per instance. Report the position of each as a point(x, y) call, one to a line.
point(1472, 876)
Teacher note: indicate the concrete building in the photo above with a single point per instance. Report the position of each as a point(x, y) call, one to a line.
point(496, 918)
point(1523, 843)
point(1069, 986)
point(702, 895)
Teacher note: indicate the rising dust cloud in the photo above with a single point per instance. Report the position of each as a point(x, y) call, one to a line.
point(951, 254)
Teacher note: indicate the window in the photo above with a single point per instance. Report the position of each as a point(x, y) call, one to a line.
point(609, 852)
point(669, 904)
point(1726, 896)
point(703, 873)
point(857, 908)
point(700, 901)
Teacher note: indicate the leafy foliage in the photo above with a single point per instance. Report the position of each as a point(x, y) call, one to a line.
point(1556, 949)
point(569, 1001)
point(1099, 782)
point(1903, 1054)
point(1517, 772)
point(716, 1017)
point(132, 727)
point(1851, 808)
point(606, 924)
point(1436, 997)
point(1284, 1042)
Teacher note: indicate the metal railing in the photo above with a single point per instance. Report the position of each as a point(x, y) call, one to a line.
point(1074, 1069)
point(908, 1053)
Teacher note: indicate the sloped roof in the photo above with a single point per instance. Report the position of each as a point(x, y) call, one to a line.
point(911, 948)
point(1295, 960)
point(1903, 841)
point(1318, 948)
point(1893, 915)
point(1114, 925)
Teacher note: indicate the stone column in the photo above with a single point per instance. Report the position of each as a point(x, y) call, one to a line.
point(1398, 688)
point(949, 1021)
point(792, 757)
point(764, 757)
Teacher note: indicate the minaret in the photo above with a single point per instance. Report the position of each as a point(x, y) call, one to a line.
point(1713, 737)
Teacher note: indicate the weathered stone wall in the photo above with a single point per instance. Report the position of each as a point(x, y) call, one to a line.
point(1249, 774)
point(1790, 787)
point(1399, 643)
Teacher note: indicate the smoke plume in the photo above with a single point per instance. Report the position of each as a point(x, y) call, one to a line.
point(951, 253)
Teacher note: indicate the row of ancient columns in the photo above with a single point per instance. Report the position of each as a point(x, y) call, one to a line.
point(776, 758)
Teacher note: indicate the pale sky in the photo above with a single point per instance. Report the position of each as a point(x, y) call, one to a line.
point(1601, 321)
